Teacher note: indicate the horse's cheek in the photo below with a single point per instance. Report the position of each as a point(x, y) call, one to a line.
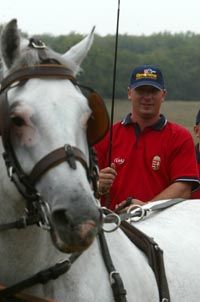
point(28, 136)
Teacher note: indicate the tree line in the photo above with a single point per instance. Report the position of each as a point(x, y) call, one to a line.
point(178, 56)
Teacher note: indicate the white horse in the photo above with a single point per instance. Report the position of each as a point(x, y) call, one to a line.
point(43, 109)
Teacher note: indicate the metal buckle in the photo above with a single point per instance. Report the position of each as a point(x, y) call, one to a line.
point(70, 156)
point(134, 207)
point(10, 172)
point(40, 45)
point(44, 223)
point(14, 84)
point(111, 276)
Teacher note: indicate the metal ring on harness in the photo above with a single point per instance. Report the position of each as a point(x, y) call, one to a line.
point(140, 214)
point(112, 217)
point(118, 222)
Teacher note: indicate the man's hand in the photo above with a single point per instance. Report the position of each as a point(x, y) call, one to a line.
point(106, 179)
point(124, 205)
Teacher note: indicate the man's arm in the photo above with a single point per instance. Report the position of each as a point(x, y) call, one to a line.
point(178, 189)
point(175, 190)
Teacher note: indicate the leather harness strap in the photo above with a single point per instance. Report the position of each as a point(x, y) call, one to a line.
point(117, 285)
point(66, 153)
point(45, 70)
point(41, 277)
point(154, 255)
point(142, 212)
point(24, 298)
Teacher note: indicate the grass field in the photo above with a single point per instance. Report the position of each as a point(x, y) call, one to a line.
point(181, 112)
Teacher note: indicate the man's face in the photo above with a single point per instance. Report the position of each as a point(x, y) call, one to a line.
point(146, 101)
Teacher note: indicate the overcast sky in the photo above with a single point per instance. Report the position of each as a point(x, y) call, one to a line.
point(136, 16)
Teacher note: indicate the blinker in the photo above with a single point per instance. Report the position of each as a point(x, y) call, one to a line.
point(98, 124)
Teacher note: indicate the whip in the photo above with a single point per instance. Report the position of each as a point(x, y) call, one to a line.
point(107, 199)
point(113, 87)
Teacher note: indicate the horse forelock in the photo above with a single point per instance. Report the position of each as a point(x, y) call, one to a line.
point(29, 57)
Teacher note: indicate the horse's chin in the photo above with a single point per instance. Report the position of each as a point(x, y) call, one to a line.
point(63, 247)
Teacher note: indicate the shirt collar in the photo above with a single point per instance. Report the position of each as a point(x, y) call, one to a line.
point(159, 125)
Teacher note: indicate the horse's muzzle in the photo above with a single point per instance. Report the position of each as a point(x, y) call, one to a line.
point(74, 232)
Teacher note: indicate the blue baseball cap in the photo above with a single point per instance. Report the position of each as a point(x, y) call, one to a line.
point(198, 118)
point(147, 75)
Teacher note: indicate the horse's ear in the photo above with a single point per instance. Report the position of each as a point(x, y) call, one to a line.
point(78, 52)
point(10, 43)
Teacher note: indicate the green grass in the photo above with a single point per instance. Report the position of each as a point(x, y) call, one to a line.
point(181, 112)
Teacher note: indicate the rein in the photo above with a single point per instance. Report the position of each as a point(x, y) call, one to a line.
point(154, 255)
point(41, 277)
point(137, 212)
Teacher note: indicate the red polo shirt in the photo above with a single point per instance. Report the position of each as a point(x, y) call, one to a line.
point(149, 161)
point(196, 194)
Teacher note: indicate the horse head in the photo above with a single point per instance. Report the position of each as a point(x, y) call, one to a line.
point(48, 127)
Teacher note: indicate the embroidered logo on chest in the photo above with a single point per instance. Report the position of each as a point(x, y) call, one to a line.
point(119, 161)
point(156, 161)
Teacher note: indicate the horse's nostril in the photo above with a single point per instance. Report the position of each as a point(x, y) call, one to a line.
point(61, 217)
point(65, 224)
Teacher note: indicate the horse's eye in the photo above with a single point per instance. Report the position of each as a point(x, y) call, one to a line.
point(18, 121)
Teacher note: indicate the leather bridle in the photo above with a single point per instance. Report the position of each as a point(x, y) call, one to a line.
point(25, 183)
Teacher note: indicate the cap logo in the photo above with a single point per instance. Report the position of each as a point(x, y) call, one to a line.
point(147, 73)
point(156, 163)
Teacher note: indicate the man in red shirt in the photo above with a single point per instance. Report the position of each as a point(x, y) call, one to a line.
point(152, 158)
point(196, 194)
